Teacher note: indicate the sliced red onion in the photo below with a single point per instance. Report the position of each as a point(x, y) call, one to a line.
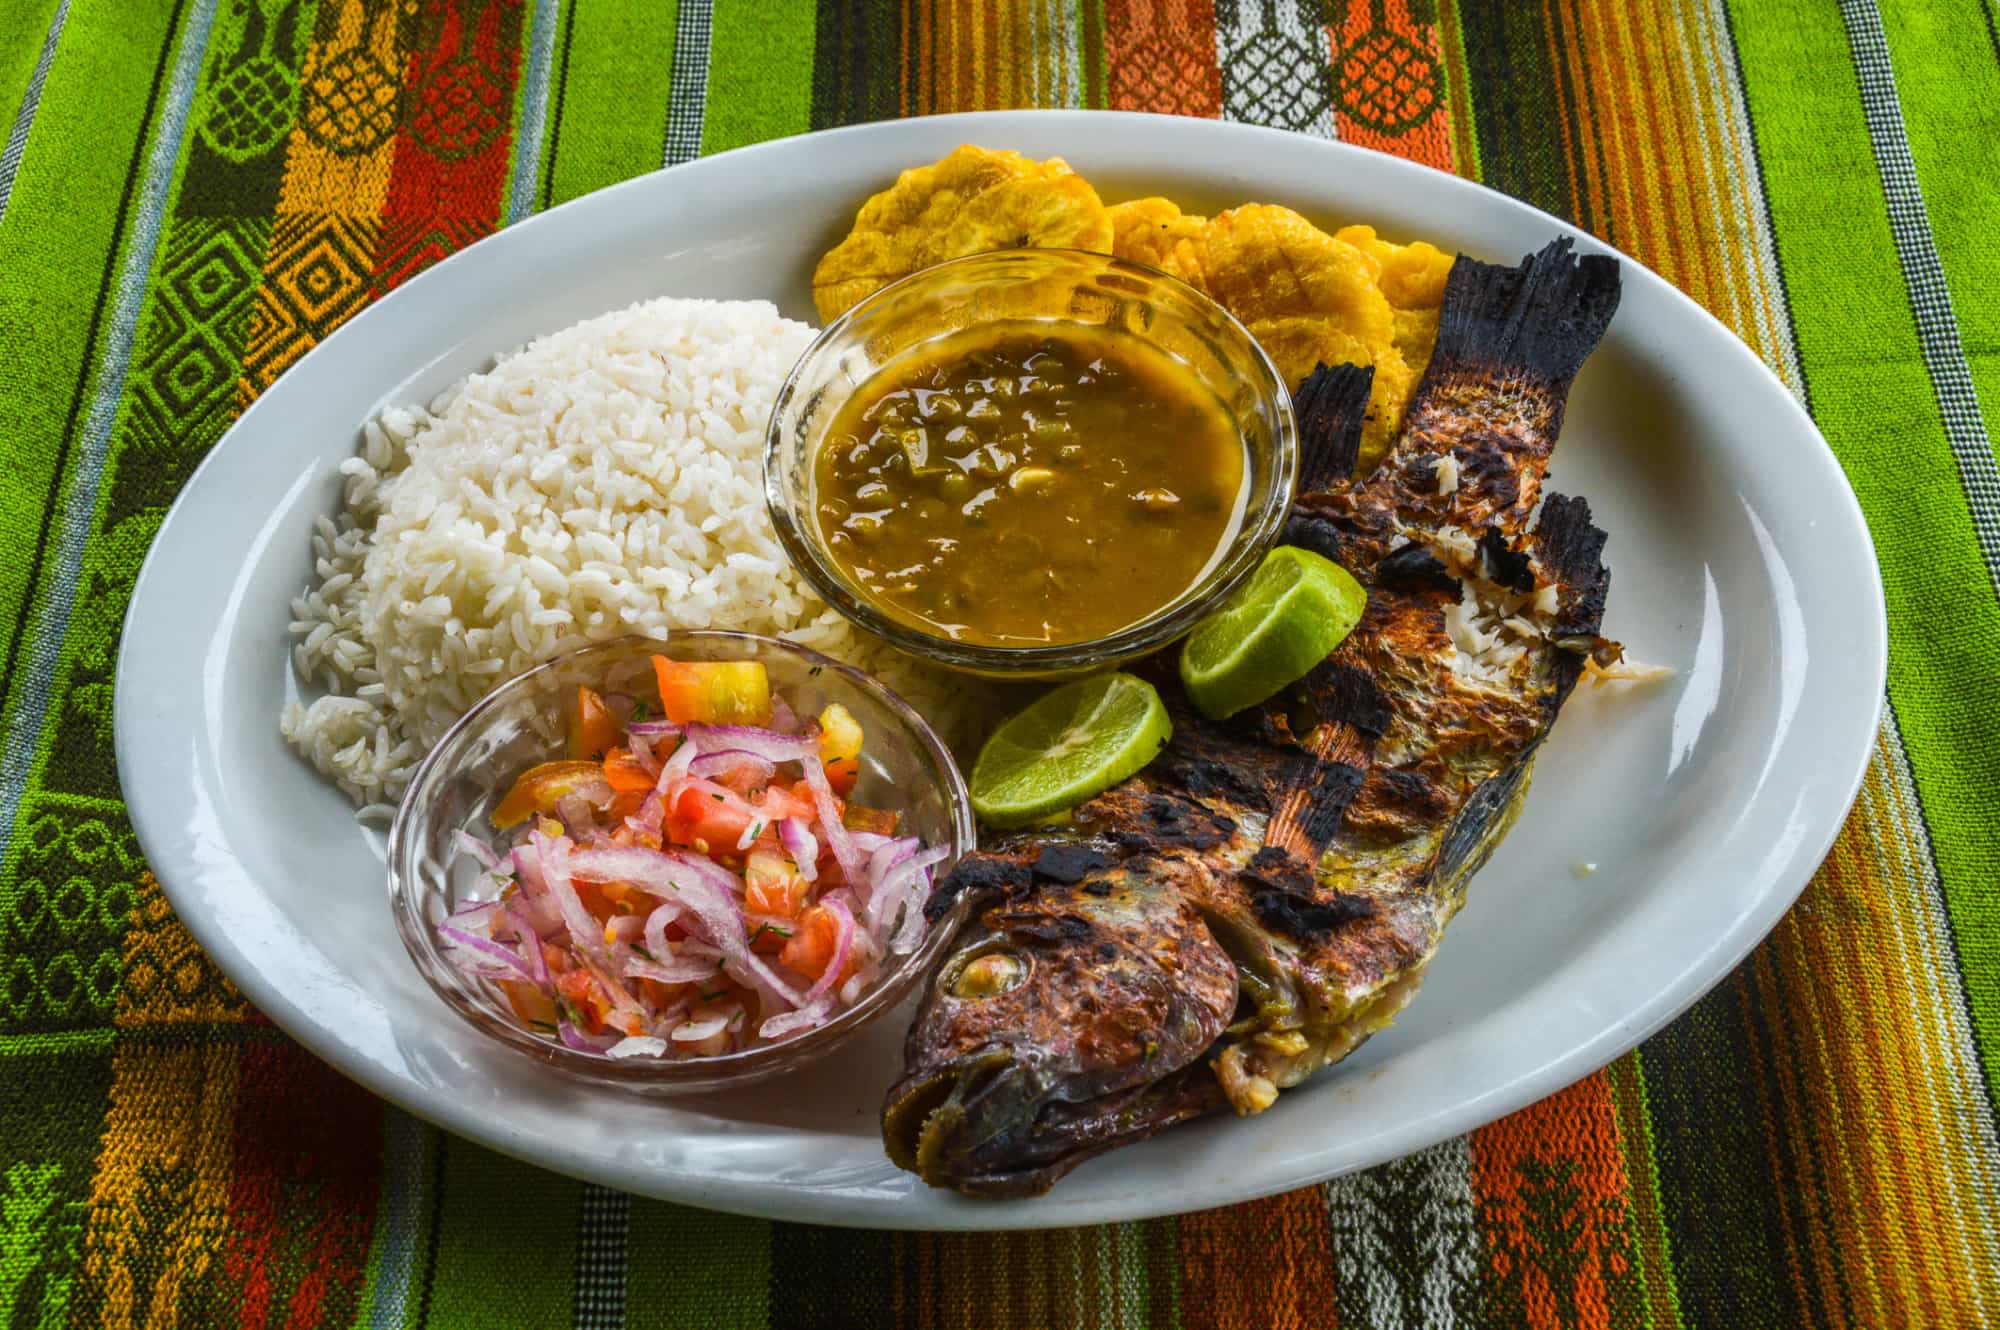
point(676, 970)
point(531, 948)
point(642, 753)
point(528, 868)
point(799, 842)
point(707, 889)
point(480, 957)
point(477, 848)
point(737, 762)
point(693, 1032)
point(676, 766)
point(638, 1046)
point(652, 731)
point(851, 990)
point(908, 885)
point(788, 1023)
point(579, 819)
point(626, 928)
point(656, 926)
point(842, 844)
point(783, 719)
point(581, 1042)
point(843, 942)
point(555, 857)
point(869, 841)
point(881, 864)
point(651, 817)
point(757, 966)
point(474, 914)
point(767, 744)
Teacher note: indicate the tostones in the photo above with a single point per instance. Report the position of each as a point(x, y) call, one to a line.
point(969, 202)
point(1157, 233)
point(1413, 278)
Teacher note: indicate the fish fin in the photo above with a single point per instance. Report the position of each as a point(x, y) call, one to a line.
point(1330, 406)
point(1540, 318)
point(1570, 549)
point(1347, 713)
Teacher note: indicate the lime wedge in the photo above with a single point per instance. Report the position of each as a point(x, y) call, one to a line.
point(1071, 743)
point(1293, 611)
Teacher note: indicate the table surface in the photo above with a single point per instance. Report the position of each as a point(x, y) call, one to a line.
point(193, 193)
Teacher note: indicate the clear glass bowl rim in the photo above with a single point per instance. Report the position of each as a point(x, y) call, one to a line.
point(692, 1074)
point(1260, 529)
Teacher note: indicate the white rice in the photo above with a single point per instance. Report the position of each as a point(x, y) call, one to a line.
point(605, 480)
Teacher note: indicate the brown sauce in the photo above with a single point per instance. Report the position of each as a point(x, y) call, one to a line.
point(1025, 484)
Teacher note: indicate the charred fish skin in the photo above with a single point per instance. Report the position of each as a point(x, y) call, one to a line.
point(1317, 844)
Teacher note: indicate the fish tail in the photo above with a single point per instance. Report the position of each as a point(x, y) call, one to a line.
point(1540, 319)
point(1330, 407)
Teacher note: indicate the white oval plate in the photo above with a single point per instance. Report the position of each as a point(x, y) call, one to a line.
point(1738, 558)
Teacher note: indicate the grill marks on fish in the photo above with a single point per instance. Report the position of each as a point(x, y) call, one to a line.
point(1269, 891)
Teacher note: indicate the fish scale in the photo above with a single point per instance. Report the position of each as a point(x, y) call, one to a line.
point(1269, 891)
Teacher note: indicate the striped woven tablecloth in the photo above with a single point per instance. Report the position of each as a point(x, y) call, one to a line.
point(194, 192)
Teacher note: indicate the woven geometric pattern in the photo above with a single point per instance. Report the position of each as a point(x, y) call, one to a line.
point(195, 193)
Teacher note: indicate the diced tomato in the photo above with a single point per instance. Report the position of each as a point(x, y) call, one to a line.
point(542, 786)
point(588, 999)
point(878, 820)
point(840, 747)
point(771, 885)
point(662, 995)
point(701, 813)
point(714, 692)
point(531, 1004)
point(593, 729)
point(627, 804)
point(811, 948)
point(780, 801)
point(624, 773)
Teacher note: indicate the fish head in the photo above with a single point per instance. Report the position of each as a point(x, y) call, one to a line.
point(1069, 1017)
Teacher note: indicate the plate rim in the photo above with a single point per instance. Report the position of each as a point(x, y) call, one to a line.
point(1782, 883)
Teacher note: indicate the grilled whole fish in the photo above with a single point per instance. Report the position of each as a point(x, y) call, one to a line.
point(1267, 893)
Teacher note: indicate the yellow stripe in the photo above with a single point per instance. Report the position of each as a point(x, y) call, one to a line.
point(342, 64)
point(159, 1200)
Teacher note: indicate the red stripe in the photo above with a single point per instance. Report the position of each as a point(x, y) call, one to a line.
point(1160, 56)
point(449, 173)
point(305, 1181)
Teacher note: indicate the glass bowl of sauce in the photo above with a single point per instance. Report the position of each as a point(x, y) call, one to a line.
point(1030, 462)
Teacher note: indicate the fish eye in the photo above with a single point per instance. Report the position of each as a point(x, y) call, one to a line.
point(988, 974)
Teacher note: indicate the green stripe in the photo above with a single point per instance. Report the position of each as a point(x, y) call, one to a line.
point(696, 1270)
point(1948, 80)
point(760, 72)
point(857, 62)
point(609, 107)
point(1650, 1245)
point(1874, 401)
point(55, 256)
point(1090, 41)
point(1510, 87)
point(1712, 1148)
point(506, 1242)
point(47, 1161)
point(834, 1279)
point(24, 24)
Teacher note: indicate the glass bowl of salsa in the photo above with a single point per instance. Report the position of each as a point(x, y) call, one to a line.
point(531, 788)
point(1032, 462)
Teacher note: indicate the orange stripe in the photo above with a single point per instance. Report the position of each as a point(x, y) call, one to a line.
point(1551, 1184)
point(1264, 1264)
